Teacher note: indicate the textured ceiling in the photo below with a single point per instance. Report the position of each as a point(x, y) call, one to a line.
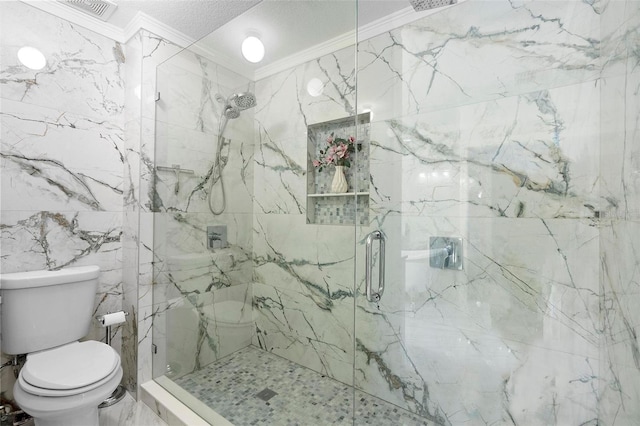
point(285, 26)
point(194, 18)
point(197, 18)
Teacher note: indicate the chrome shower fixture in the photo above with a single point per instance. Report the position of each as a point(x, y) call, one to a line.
point(242, 101)
point(231, 112)
point(420, 5)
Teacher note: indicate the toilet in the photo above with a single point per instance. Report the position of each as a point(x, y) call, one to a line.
point(44, 315)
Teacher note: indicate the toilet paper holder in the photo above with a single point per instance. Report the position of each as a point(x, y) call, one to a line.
point(107, 320)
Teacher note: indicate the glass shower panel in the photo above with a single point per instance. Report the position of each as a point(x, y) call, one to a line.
point(303, 232)
point(487, 124)
point(619, 367)
point(202, 262)
point(265, 320)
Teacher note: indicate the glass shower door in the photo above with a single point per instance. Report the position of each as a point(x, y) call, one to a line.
point(501, 172)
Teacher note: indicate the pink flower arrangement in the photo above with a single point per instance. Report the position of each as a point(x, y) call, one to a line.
point(337, 153)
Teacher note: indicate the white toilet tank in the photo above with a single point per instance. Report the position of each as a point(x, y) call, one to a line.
point(45, 309)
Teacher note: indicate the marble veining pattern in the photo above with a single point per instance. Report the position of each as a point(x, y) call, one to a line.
point(62, 154)
point(533, 45)
point(513, 127)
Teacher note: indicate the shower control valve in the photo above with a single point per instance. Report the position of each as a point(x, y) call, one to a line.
point(445, 253)
point(216, 236)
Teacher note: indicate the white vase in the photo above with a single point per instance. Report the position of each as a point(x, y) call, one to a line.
point(339, 182)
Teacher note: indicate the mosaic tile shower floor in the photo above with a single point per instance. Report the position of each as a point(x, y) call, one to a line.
point(304, 397)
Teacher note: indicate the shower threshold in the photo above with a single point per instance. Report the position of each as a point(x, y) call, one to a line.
point(235, 387)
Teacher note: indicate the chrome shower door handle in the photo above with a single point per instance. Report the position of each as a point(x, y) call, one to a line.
point(374, 296)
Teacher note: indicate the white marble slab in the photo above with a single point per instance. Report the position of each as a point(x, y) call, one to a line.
point(83, 74)
point(478, 51)
point(128, 412)
point(285, 107)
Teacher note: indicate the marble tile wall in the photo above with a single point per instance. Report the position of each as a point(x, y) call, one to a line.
point(619, 255)
point(514, 127)
point(303, 276)
point(516, 172)
point(145, 51)
point(131, 214)
point(62, 154)
point(77, 152)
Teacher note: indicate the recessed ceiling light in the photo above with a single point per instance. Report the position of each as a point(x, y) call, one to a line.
point(32, 58)
point(252, 49)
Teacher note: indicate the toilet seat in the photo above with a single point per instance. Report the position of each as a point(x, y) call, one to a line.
point(71, 369)
point(66, 410)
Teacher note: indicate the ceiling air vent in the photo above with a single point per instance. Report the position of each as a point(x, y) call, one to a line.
point(101, 9)
point(420, 5)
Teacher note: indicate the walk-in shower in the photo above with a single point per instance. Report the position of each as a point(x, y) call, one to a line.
point(231, 109)
point(507, 127)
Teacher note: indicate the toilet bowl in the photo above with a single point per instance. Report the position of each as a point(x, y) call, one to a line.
point(85, 374)
point(229, 323)
point(44, 315)
point(235, 322)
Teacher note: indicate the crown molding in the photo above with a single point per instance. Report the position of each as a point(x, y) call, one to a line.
point(306, 55)
point(144, 21)
point(390, 22)
point(397, 19)
point(232, 64)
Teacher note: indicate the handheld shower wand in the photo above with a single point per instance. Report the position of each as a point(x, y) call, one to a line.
point(242, 102)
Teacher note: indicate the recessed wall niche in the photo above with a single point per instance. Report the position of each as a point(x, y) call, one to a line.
point(352, 207)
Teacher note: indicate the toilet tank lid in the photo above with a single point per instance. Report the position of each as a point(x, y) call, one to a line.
point(19, 280)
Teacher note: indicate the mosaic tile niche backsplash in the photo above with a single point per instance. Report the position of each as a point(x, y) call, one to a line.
point(324, 208)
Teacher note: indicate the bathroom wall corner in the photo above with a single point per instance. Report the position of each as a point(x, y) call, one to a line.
point(144, 52)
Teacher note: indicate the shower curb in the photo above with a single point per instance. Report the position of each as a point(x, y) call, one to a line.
point(172, 410)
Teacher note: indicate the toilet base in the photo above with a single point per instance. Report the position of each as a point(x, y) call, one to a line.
point(114, 398)
point(84, 417)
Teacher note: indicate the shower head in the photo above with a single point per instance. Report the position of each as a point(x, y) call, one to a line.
point(231, 112)
point(244, 100)
point(420, 5)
